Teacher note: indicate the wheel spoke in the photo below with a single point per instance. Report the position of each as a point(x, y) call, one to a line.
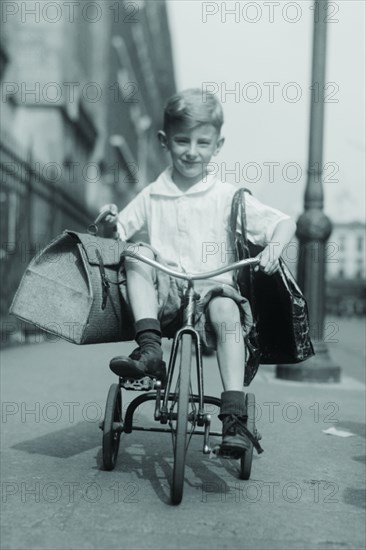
point(174, 403)
point(194, 411)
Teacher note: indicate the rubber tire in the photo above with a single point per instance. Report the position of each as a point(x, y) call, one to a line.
point(182, 420)
point(247, 458)
point(111, 438)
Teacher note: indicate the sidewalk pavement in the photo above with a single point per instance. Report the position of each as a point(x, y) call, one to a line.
point(307, 490)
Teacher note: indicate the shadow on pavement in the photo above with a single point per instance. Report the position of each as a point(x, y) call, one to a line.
point(358, 428)
point(148, 457)
point(151, 459)
point(64, 443)
point(356, 497)
point(360, 458)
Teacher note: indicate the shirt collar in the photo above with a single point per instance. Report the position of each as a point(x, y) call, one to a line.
point(165, 186)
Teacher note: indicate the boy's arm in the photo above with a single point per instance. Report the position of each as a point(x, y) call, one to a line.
point(270, 228)
point(282, 235)
point(109, 222)
point(128, 221)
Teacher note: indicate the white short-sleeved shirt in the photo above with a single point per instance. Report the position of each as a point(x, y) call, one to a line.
point(191, 229)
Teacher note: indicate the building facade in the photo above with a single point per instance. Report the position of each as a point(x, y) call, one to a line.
point(346, 269)
point(83, 85)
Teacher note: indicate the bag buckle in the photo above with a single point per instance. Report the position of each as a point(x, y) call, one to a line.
point(105, 281)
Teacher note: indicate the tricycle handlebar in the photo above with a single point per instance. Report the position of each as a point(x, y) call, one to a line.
point(191, 276)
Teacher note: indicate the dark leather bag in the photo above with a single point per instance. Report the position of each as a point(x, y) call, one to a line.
point(281, 333)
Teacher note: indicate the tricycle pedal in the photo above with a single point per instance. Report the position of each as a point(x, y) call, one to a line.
point(117, 427)
point(141, 384)
point(227, 453)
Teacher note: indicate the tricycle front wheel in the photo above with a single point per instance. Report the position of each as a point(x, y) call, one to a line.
point(180, 418)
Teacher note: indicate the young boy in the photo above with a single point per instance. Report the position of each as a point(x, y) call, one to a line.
point(185, 215)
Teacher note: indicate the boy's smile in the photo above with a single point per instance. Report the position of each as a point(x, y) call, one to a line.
point(191, 149)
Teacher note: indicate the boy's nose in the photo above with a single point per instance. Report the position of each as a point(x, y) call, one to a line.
point(192, 151)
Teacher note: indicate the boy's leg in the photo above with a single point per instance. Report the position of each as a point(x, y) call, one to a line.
point(147, 359)
point(225, 319)
point(140, 286)
point(226, 322)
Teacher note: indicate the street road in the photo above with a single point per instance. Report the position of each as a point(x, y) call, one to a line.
point(307, 489)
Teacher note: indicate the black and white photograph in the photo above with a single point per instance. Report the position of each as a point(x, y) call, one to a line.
point(183, 274)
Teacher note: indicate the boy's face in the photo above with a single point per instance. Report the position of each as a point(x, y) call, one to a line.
point(191, 149)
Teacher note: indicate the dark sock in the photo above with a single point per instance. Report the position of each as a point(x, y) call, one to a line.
point(232, 402)
point(148, 337)
point(147, 324)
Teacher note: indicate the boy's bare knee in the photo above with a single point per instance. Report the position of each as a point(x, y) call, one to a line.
point(223, 309)
point(146, 251)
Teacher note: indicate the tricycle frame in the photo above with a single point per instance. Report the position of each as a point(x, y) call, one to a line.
point(183, 396)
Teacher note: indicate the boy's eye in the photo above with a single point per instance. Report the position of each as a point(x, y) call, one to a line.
point(184, 141)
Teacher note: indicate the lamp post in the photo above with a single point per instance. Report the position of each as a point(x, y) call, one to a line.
point(313, 226)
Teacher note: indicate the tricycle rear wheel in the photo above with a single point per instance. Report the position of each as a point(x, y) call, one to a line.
point(112, 427)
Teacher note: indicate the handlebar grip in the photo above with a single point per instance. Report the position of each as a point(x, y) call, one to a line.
point(93, 227)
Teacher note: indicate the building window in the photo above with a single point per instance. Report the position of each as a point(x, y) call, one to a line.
point(359, 270)
point(3, 60)
point(359, 243)
point(342, 243)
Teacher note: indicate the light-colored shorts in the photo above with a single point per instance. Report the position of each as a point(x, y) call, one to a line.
point(169, 291)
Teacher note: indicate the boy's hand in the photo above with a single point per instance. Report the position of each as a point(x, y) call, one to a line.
point(111, 218)
point(269, 261)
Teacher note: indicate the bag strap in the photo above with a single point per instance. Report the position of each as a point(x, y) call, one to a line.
point(238, 205)
point(106, 283)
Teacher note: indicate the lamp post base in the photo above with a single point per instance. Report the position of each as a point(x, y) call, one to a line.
point(319, 368)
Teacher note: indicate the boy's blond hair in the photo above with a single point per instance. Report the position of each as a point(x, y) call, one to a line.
point(191, 108)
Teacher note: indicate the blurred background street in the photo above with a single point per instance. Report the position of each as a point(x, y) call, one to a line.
point(83, 87)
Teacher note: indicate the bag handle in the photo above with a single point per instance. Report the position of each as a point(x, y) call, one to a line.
point(246, 245)
point(238, 204)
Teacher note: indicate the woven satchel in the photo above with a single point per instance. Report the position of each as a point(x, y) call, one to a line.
point(72, 289)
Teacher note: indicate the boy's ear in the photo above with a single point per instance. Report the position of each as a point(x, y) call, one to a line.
point(219, 145)
point(162, 137)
